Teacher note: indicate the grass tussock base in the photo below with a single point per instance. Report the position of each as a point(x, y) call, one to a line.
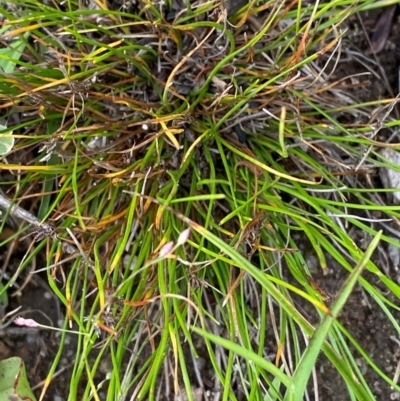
point(135, 121)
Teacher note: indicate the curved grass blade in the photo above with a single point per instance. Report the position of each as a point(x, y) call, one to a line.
point(307, 362)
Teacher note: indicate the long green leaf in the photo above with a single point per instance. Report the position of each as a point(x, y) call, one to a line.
point(303, 371)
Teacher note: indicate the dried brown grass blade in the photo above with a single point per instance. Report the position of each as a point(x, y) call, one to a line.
point(382, 30)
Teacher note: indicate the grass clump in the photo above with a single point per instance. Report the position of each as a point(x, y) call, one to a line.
point(136, 121)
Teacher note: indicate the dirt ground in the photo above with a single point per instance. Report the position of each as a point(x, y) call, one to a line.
point(361, 316)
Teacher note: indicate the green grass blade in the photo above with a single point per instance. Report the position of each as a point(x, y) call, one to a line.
point(303, 371)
